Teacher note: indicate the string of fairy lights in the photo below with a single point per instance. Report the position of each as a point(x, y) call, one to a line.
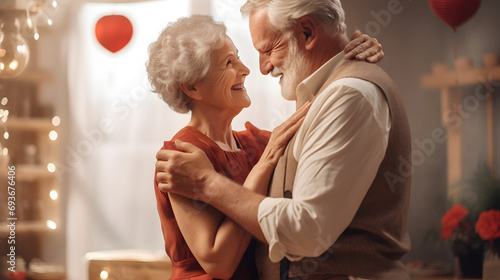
point(52, 135)
point(16, 26)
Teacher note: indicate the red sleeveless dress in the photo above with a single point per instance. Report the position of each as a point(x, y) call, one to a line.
point(234, 165)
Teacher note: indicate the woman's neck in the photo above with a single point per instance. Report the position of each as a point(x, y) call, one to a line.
point(216, 126)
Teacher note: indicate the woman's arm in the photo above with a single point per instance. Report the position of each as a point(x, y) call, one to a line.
point(217, 242)
point(363, 47)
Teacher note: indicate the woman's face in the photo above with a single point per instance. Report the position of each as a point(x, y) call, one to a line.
point(224, 85)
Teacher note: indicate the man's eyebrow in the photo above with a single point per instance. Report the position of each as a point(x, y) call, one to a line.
point(262, 49)
point(269, 46)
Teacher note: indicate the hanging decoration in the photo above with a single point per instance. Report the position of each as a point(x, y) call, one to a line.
point(19, 21)
point(14, 50)
point(454, 12)
point(113, 32)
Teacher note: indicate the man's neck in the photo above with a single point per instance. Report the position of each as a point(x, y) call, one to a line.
point(326, 49)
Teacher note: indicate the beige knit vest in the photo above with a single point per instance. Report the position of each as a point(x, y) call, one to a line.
point(373, 244)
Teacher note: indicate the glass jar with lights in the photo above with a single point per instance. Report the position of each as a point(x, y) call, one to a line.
point(14, 50)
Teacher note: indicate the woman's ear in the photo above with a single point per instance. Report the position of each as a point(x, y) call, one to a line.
point(191, 91)
point(307, 30)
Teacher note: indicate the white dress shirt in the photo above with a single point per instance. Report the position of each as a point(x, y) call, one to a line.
point(339, 149)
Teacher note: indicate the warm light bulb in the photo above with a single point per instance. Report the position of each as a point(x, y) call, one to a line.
point(5, 115)
point(13, 65)
point(21, 48)
point(53, 195)
point(6, 135)
point(53, 135)
point(51, 167)
point(51, 224)
point(54, 4)
point(5, 100)
point(36, 36)
point(14, 56)
point(56, 121)
point(49, 22)
point(104, 275)
point(5, 151)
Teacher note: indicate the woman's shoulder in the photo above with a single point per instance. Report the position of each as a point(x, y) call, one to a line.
point(191, 135)
point(253, 136)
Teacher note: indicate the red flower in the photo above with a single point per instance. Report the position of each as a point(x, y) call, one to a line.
point(17, 275)
point(488, 225)
point(451, 220)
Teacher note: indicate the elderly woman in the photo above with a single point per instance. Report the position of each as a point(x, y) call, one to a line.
point(195, 67)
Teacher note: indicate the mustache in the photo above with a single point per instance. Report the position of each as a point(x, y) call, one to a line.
point(276, 72)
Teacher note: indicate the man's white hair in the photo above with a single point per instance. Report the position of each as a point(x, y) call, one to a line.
point(283, 14)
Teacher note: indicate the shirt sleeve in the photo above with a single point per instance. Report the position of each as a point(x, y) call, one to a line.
point(339, 149)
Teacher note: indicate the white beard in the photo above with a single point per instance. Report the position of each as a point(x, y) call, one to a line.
point(292, 72)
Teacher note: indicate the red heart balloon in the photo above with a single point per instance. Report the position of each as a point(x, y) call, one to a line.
point(113, 32)
point(454, 12)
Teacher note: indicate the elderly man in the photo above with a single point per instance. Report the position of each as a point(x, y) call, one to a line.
point(338, 201)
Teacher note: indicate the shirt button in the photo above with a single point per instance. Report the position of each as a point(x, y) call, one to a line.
point(288, 194)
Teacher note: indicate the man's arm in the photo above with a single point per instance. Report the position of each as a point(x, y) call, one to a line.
point(239, 204)
point(190, 174)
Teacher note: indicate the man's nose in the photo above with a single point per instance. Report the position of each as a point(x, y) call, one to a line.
point(265, 64)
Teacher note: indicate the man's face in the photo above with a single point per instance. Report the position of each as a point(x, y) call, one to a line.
point(293, 71)
point(279, 54)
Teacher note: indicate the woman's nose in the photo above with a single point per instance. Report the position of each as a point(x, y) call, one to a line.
point(244, 69)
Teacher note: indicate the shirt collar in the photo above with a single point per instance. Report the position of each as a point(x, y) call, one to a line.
point(308, 88)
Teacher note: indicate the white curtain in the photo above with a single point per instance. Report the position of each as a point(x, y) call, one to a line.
point(118, 125)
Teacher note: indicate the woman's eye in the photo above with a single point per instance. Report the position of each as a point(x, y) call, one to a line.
point(230, 61)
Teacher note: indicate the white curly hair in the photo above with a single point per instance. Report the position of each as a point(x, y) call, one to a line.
point(182, 54)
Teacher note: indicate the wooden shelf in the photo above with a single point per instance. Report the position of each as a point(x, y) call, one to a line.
point(30, 124)
point(449, 82)
point(30, 149)
point(32, 77)
point(26, 226)
point(461, 78)
point(31, 172)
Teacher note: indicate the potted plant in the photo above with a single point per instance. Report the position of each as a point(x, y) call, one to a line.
point(461, 224)
point(467, 247)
